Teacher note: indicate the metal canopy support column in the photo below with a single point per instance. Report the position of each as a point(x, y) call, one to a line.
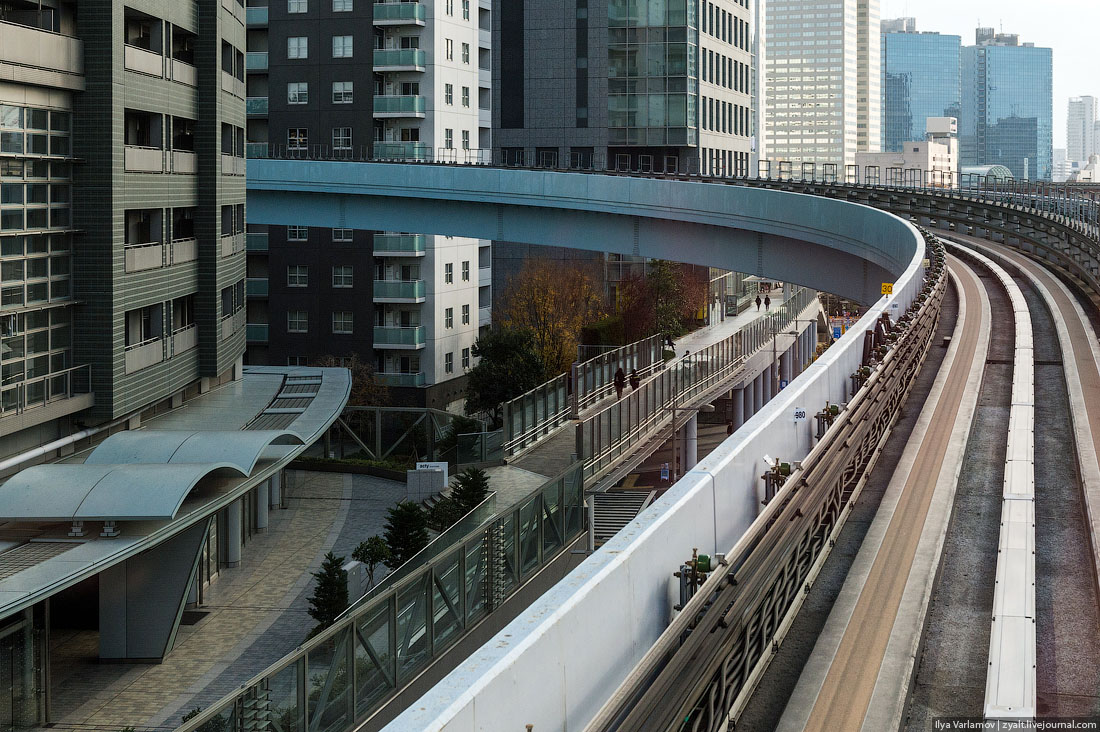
point(691, 442)
point(785, 364)
point(276, 492)
point(757, 393)
point(738, 408)
point(233, 534)
point(263, 501)
point(768, 388)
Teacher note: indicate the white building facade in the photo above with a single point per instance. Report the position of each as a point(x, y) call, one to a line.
point(1081, 127)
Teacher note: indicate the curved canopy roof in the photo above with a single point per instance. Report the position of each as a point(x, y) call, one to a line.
point(240, 448)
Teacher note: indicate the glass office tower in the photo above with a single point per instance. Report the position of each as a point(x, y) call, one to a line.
point(1007, 107)
point(920, 79)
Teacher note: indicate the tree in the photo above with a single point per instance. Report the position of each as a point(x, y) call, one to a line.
point(665, 300)
point(508, 366)
point(366, 390)
point(554, 302)
point(459, 425)
point(443, 513)
point(470, 488)
point(371, 553)
point(330, 595)
point(405, 532)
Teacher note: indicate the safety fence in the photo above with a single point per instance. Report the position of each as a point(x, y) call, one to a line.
point(349, 671)
point(594, 379)
point(607, 435)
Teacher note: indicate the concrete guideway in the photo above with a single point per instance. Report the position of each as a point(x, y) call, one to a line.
point(836, 689)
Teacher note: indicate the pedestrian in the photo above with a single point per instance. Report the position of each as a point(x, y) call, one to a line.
point(620, 383)
point(767, 303)
point(635, 380)
point(758, 303)
point(670, 345)
point(729, 427)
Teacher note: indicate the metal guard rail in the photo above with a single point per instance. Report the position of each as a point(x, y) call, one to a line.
point(607, 435)
point(341, 677)
point(701, 671)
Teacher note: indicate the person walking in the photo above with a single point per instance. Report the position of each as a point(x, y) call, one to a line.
point(635, 381)
point(758, 303)
point(669, 344)
point(620, 383)
point(729, 427)
point(767, 303)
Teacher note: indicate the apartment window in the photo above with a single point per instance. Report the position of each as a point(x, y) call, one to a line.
point(465, 314)
point(297, 321)
point(465, 9)
point(297, 47)
point(466, 271)
point(297, 275)
point(297, 92)
point(342, 234)
point(343, 321)
point(448, 138)
point(296, 361)
point(449, 363)
point(465, 358)
point(297, 6)
point(342, 6)
point(448, 273)
point(450, 7)
point(450, 50)
point(341, 138)
point(449, 93)
point(465, 53)
point(465, 139)
point(341, 47)
point(297, 233)
point(343, 275)
point(342, 92)
point(466, 96)
point(297, 138)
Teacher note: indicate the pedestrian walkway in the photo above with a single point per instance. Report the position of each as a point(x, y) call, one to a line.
point(254, 614)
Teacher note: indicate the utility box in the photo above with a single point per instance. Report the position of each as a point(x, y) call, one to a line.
point(421, 485)
point(357, 579)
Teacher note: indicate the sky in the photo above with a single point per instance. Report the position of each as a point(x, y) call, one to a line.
point(1067, 26)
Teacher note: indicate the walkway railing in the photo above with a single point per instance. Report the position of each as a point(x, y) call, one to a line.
point(352, 669)
point(594, 379)
point(609, 434)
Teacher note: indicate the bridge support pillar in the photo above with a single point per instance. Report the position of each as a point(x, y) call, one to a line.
point(263, 502)
point(275, 495)
point(233, 534)
point(738, 408)
point(691, 442)
point(785, 364)
point(757, 393)
point(769, 383)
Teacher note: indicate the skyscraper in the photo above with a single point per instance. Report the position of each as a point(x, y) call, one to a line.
point(823, 81)
point(1007, 105)
point(920, 73)
point(1081, 129)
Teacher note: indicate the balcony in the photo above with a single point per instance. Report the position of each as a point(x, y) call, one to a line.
point(145, 354)
point(184, 73)
point(255, 61)
point(232, 165)
point(399, 291)
point(28, 53)
point(185, 339)
point(256, 105)
point(392, 106)
point(403, 151)
point(256, 332)
point(405, 337)
point(41, 399)
point(232, 323)
point(232, 243)
point(256, 16)
point(141, 257)
point(256, 242)
point(399, 245)
point(484, 317)
point(185, 249)
point(399, 59)
point(399, 14)
point(484, 276)
point(256, 150)
point(236, 9)
point(143, 61)
point(402, 379)
point(233, 85)
point(184, 161)
point(144, 159)
point(256, 287)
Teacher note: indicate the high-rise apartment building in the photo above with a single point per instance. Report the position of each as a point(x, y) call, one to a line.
point(823, 81)
point(1007, 105)
point(121, 189)
point(920, 80)
point(628, 84)
point(355, 79)
point(1081, 125)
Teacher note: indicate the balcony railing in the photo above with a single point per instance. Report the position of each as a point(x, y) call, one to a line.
point(256, 332)
point(41, 391)
point(400, 105)
point(398, 245)
point(233, 85)
point(185, 339)
point(256, 242)
point(232, 165)
point(256, 286)
point(399, 59)
point(22, 45)
point(185, 249)
point(256, 16)
point(256, 105)
point(184, 161)
point(402, 379)
point(399, 291)
point(232, 323)
point(256, 149)
point(399, 14)
point(143, 61)
point(255, 61)
point(140, 257)
point(144, 159)
point(184, 73)
point(144, 354)
point(410, 336)
point(402, 151)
